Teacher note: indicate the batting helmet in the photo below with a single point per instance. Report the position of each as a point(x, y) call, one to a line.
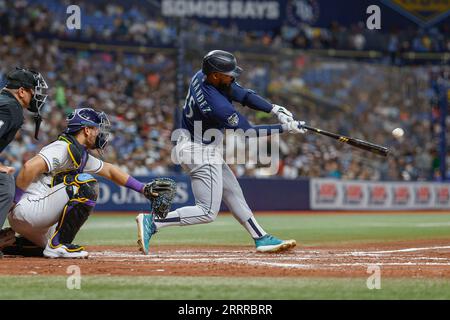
point(88, 117)
point(221, 61)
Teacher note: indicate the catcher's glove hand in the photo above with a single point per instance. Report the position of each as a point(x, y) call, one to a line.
point(160, 192)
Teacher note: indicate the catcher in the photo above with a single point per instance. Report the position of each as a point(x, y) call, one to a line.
point(56, 191)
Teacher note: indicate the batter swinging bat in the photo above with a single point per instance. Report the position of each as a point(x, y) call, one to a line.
point(361, 144)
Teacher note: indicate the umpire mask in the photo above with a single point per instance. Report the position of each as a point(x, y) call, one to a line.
point(30, 79)
point(40, 93)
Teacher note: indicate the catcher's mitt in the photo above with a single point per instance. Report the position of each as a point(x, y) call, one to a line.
point(160, 192)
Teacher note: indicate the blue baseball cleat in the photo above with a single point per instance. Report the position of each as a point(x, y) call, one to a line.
point(269, 243)
point(146, 229)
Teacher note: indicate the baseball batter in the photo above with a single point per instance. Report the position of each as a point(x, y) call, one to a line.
point(56, 191)
point(209, 106)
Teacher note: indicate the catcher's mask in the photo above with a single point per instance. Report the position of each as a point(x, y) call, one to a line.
point(29, 79)
point(88, 117)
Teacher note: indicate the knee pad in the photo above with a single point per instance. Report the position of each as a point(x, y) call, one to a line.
point(82, 187)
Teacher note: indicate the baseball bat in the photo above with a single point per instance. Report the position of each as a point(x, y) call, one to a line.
point(358, 143)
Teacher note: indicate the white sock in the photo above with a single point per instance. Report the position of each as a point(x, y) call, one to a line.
point(253, 227)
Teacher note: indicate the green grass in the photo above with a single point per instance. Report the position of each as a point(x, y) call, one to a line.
point(308, 230)
point(182, 288)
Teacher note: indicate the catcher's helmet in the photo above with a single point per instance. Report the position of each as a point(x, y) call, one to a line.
point(88, 117)
point(222, 62)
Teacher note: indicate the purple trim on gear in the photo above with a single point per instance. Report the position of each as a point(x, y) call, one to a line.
point(55, 240)
point(84, 159)
point(18, 195)
point(134, 184)
point(90, 203)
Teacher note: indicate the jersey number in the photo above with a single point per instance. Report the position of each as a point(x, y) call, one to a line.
point(189, 104)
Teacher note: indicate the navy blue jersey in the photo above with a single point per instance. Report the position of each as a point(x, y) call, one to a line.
point(213, 109)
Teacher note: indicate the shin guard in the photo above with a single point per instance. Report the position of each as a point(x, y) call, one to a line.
point(83, 192)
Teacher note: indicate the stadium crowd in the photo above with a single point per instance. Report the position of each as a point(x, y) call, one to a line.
point(365, 101)
point(138, 92)
point(139, 22)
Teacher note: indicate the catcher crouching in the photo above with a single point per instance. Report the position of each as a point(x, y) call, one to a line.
point(56, 191)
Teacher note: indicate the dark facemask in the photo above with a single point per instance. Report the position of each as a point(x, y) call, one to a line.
point(102, 138)
point(30, 79)
point(38, 100)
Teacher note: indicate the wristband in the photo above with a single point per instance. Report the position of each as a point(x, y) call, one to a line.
point(274, 109)
point(134, 184)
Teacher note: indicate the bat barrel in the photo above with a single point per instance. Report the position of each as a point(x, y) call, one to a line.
point(361, 144)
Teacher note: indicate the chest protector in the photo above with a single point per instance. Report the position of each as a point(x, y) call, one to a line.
point(77, 154)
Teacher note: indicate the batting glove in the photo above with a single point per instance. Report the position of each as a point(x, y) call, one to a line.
point(294, 127)
point(283, 114)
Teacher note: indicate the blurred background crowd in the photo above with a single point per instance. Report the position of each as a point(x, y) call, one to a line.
point(137, 89)
point(109, 21)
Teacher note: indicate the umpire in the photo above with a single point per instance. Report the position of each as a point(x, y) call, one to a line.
point(25, 89)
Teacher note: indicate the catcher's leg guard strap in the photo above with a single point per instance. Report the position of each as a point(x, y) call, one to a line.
point(77, 210)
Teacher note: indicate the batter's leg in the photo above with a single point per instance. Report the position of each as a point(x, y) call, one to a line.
point(206, 181)
point(235, 201)
point(204, 165)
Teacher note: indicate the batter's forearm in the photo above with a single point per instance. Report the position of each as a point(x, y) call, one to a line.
point(259, 130)
point(250, 98)
point(268, 129)
point(257, 102)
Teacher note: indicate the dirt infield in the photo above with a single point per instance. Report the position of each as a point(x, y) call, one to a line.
point(400, 259)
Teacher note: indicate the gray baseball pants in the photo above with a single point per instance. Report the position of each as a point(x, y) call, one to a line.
point(212, 181)
point(7, 191)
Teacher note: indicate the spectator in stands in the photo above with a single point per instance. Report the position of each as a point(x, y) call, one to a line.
point(138, 90)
